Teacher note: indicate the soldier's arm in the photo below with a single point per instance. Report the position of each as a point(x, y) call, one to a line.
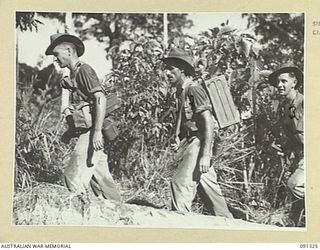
point(205, 126)
point(201, 108)
point(100, 110)
point(299, 122)
point(89, 81)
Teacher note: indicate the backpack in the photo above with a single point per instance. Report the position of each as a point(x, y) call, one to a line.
point(221, 101)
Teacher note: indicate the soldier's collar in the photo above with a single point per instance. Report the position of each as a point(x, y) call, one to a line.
point(75, 68)
point(297, 98)
point(77, 65)
point(187, 83)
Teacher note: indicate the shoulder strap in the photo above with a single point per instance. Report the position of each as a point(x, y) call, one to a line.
point(178, 124)
point(79, 92)
point(83, 95)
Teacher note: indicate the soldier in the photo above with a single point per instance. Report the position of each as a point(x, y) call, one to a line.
point(287, 79)
point(88, 165)
point(195, 131)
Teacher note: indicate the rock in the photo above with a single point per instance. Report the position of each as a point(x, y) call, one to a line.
point(48, 204)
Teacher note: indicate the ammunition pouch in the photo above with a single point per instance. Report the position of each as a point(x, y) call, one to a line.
point(81, 115)
point(79, 120)
point(109, 129)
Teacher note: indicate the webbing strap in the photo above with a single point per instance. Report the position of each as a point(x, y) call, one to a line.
point(79, 92)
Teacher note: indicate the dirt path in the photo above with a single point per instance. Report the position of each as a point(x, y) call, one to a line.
point(48, 204)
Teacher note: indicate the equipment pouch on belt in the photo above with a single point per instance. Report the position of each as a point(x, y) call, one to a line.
point(109, 129)
point(79, 121)
point(81, 115)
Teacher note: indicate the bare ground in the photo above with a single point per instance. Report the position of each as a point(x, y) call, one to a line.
point(48, 204)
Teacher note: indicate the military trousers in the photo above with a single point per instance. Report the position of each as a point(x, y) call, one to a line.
point(88, 168)
point(188, 177)
point(296, 182)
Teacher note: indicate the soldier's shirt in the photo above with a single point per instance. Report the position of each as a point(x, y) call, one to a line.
point(194, 100)
point(291, 116)
point(86, 80)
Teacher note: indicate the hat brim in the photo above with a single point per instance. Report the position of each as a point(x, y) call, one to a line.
point(66, 38)
point(273, 78)
point(180, 63)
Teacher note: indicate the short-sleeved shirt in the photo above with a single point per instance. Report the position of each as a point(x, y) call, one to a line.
point(292, 120)
point(86, 80)
point(195, 101)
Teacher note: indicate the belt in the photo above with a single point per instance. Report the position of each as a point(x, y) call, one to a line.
point(192, 133)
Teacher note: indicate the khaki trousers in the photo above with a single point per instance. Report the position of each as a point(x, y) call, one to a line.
point(296, 184)
point(88, 167)
point(296, 181)
point(187, 178)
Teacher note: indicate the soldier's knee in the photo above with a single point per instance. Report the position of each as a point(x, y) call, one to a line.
point(175, 182)
point(297, 191)
point(70, 185)
point(296, 184)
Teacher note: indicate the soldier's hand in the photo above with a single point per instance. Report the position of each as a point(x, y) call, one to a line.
point(204, 163)
point(278, 148)
point(176, 144)
point(98, 142)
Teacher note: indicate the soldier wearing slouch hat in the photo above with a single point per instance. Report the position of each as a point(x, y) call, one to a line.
point(88, 166)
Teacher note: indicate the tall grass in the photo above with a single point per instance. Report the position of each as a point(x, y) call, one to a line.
point(39, 154)
point(147, 174)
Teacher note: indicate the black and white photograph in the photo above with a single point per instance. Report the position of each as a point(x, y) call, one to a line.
point(160, 120)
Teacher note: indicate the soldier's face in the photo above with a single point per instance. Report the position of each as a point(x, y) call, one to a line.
point(286, 83)
point(62, 56)
point(174, 74)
